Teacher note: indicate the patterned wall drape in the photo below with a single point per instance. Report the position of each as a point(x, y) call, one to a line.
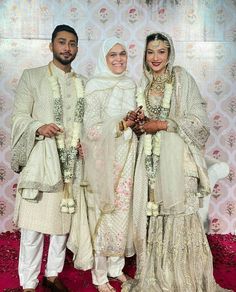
point(204, 33)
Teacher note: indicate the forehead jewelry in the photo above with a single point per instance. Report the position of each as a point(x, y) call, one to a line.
point(156, 42)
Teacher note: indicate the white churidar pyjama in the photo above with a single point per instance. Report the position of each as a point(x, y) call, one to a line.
point(106, 266)
point(30, 257)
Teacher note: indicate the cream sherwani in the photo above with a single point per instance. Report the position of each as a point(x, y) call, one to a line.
point(40, 186)
point(33, 108)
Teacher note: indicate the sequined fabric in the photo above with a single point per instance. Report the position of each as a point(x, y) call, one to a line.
point(178, 258)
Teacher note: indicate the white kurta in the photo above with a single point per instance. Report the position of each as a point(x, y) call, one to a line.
point(33, 108)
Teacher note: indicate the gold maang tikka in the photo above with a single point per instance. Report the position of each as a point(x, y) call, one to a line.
point(156, 42)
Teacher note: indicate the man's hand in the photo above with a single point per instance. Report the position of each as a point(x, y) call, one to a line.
point(49, 130)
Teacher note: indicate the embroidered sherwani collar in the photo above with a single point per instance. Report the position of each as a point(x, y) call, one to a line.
point(60, 73)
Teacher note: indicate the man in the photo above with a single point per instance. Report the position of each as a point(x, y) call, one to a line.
point(46, 124)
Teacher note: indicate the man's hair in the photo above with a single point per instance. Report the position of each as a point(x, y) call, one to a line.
point(63, 27)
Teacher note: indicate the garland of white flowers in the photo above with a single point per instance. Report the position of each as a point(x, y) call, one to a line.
point(152, 143)
point(67, 156)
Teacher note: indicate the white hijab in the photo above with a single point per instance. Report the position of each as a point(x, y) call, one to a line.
point(102, 68)
point(103, 77)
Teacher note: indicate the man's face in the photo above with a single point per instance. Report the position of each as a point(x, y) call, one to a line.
point(64, 47)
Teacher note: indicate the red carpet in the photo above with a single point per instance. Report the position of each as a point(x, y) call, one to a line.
point(223, 249)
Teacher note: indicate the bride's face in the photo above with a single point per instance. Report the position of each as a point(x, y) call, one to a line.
point(117, 59)
point(157, 56)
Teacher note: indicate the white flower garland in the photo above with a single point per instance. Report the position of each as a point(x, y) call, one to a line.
point(152, 209)
point(67, 156)
point(150, 146)
point(152, 143)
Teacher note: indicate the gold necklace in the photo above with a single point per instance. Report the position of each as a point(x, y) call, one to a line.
point(158, 83)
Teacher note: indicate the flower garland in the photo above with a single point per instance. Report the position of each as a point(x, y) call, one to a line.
point(67, 156)
point(149, 146)
point(152, 143)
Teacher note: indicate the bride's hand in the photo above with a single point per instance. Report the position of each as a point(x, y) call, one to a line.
point(153, 126)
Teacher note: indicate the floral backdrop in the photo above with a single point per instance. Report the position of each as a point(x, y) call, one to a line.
point(204, 33)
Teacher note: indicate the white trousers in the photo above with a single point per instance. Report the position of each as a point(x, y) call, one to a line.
point(30, 257)
point(106, 266)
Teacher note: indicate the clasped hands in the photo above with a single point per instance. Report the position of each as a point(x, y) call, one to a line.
point(141, 124)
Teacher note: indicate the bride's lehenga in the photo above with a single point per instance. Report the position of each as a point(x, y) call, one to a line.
point(178, 257)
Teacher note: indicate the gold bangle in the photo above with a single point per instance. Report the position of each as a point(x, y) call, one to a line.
point(121, 126)
point(124, 125)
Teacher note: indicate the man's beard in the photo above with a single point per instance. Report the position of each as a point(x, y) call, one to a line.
point(64, 61)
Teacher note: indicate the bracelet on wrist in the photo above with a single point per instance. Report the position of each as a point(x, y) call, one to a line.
point(124, 125)
point(121, 126)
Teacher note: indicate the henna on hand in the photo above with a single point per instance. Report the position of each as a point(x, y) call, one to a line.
point(153, 126)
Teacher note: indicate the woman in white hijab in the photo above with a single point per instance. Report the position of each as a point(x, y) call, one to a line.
point(109, 162)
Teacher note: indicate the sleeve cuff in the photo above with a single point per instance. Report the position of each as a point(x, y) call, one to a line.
point(171, 126)
point(36, 126)
point(127, 134)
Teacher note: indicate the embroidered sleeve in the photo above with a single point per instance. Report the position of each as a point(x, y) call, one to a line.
point(92, 115)
point(24, 127)
point(193, 123)
point(171, 126)
point(22, 148)
point(193, 131)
